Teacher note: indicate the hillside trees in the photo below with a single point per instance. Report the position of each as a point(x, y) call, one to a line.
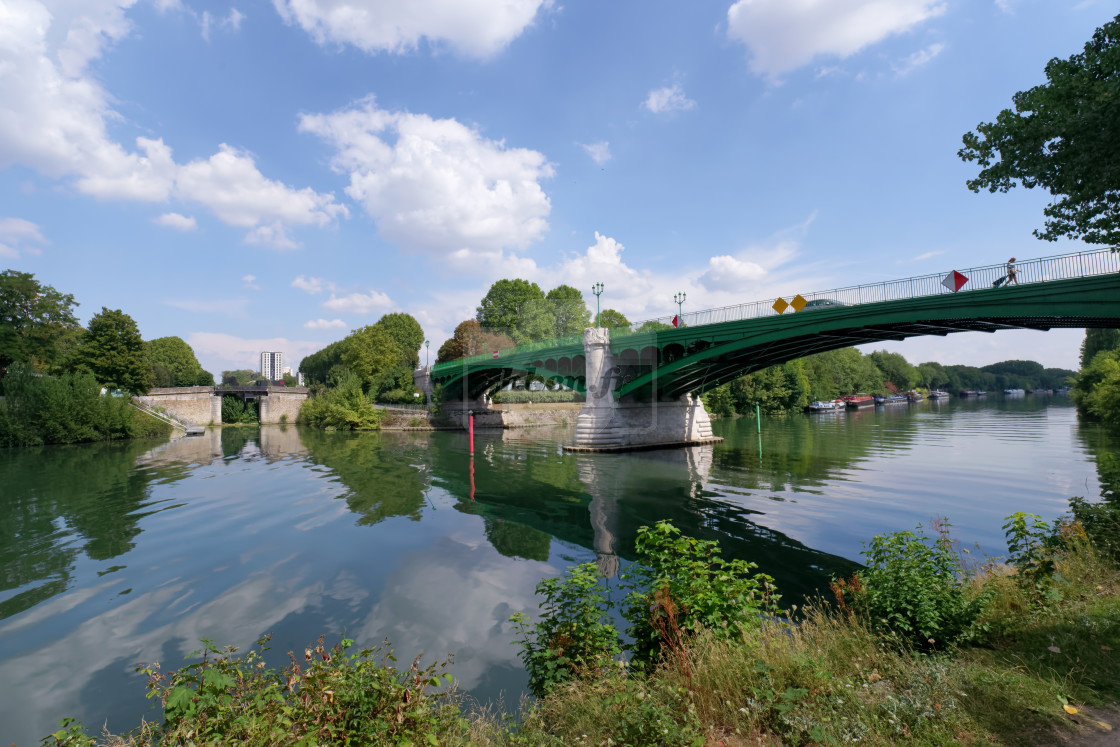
point(382, 357)
point(898, 374)
point(1062, 136)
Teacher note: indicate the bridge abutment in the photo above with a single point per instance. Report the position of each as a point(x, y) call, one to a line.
point(605, 424)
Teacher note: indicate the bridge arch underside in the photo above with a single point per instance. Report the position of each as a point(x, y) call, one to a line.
point(696, 360)
point(484, 378)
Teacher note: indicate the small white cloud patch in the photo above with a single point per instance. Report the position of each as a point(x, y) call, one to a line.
point(325, 324)
point(668, 99)
point(600, 152)
point(358, 303)
point(176, 221)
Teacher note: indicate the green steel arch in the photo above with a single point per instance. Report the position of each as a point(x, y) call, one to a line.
point(665, 364)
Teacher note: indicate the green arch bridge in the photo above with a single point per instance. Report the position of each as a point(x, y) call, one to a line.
point(631, 368)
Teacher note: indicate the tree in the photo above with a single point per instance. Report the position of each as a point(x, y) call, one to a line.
point(240, 377)
point(896, 370)
point(501, 308)
point(1097, 340)
point(569, 310)
point(1062, 136)
point(369, 353)
point(407, 333)
point(612, 319)
point(933, 375)
point(34, 319)
point(177, 358)
point(470, 339)
point(114, 352)
point(1097, 389)
point(317, 366)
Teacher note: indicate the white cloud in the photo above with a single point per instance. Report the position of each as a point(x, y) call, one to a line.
point(313, 285)
point(918, 59)
point(53, 115)
point(600, 152)
point(729, 273)
point(19, 236)
point(218, 351)
point(435, 185)
point(176, 221)
point(232, 21)
point(928, 255)
point(783, 36)
point(325, 324)
point(358, 303)
point(668, 99)
point(251, 282)
point(473, 28)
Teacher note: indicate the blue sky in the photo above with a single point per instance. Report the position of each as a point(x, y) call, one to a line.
point(271, 175)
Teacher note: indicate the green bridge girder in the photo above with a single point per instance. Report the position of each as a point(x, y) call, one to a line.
point(665, 364)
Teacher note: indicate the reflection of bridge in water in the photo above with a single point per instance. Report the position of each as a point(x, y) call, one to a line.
point(642, 385)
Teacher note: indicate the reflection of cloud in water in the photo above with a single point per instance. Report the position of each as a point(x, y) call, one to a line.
point(455, 596)
point(60, 672)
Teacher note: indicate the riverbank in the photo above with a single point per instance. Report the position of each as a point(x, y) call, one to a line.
point(1037, 664)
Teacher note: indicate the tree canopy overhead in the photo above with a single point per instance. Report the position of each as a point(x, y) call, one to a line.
point(1063, 136)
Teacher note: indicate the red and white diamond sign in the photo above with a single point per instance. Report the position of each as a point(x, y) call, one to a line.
point(954, 280)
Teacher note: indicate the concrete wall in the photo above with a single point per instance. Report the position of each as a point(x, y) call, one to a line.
point(282, 401)
point(196, 405)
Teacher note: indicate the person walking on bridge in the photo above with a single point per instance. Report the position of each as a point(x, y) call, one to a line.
point(1011, 272)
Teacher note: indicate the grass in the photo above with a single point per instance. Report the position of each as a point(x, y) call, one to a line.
point(827, 678)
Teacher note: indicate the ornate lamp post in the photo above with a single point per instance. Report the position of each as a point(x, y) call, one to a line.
point(597, 289)
point(426, 353)
point(679, 298)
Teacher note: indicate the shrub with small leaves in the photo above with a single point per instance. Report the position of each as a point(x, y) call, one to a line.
point(914, 588)
point(574, 638)
point(1028, 547)
point(681, 585)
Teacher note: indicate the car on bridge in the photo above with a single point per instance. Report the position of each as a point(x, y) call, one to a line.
point(821, 303)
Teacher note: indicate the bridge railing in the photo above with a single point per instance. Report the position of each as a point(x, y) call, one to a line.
point(1042, 270)
point(1045, 269)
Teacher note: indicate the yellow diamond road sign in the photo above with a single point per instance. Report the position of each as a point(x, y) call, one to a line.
point(798, 303)
point(780, 305)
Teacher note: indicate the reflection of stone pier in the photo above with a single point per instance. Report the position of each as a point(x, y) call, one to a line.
point(605, 424)
point(609, 483)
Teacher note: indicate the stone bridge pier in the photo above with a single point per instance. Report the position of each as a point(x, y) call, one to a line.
point(605, 424)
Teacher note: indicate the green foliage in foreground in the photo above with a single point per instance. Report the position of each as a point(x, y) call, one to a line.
point(831, 678)
point(914, 588)
point(1097, 387)
point(66, 409)
point(344, 407)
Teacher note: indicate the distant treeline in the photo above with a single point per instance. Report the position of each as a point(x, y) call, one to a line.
point(824, 376)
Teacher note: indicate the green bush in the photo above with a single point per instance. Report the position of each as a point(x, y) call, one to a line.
point(343, 407)
point(681, 585)
point(1101, 525)
point(574, 638)
point(324, 697)
point(915, 589)
point(1030, 550)
point(39, 409)
point(235, 410)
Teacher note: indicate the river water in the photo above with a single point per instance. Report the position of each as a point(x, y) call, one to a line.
point(114, 555)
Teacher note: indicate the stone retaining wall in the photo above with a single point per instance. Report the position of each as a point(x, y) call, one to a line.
point(196, 405)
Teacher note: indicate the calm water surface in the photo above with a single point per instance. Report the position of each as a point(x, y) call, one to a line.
point(117, 555)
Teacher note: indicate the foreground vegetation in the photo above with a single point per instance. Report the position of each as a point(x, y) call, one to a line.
point(917, 647)
point(66, 409)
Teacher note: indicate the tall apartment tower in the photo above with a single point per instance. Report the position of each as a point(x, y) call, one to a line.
point(272, 366)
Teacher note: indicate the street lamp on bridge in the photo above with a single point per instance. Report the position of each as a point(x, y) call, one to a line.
point(426, 353)
point(597, 289)
point(679, 298)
